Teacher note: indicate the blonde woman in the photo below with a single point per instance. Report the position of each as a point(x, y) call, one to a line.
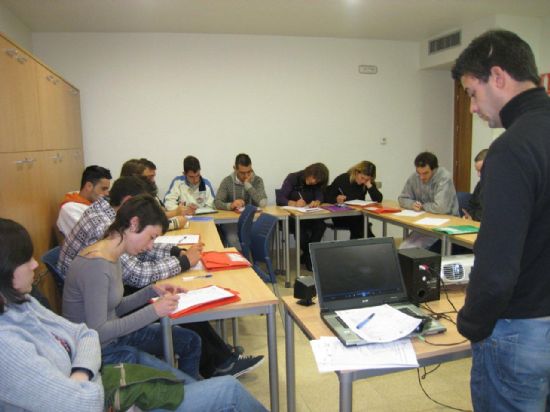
point(352, 185)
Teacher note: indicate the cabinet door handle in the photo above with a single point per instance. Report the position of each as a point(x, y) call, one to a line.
point(21, 59)
point(11, 52)
point(57, 157)
point(25, 161)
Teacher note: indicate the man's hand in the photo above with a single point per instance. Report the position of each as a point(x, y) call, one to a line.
point(193, 253)
point(417, 206)
point(182, 220)
point(315, 203)
point(466, 216)
point(237, 204)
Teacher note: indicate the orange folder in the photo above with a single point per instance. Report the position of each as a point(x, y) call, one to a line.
point(224, 260)
point(207, 305)
point(381, 209)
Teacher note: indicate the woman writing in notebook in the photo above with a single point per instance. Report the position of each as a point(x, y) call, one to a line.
point(93, 291)
point(301, 189)
point(354, 185)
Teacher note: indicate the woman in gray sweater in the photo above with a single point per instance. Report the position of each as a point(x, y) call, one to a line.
point(47, 363)
point(93, 292)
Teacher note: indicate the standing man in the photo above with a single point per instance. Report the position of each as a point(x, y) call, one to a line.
point(474, 208)
point(95, 183)
point(431, 188)
point(506, 314)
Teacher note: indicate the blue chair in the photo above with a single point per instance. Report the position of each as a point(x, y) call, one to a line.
point(244, 226)
point(260, 247)
point(50, 259)
point(463, 201)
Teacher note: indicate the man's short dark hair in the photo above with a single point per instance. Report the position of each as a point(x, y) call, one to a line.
point(191, 164)
point(481, 155)
point(147, 163)
point(426, 159)
point(94, 174)
point(127, 186)
point(242, 159)
point(319, 172)
point(500, 48)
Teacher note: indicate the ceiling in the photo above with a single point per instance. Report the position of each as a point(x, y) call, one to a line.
point(413, 20)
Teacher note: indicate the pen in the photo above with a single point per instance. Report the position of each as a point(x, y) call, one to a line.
point(186, 278)
point(365, 321)
point(300, 194)
point(340, 190)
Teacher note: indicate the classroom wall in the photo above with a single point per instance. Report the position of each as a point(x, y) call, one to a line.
point(14, 28)
point(287, 101)
point(544, 62)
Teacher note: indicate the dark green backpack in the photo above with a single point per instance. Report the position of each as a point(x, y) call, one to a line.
point(128, 384)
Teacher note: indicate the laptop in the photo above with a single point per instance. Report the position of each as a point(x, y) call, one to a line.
point(360, 273)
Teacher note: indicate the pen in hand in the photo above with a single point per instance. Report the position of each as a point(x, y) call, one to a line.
point(365, 321)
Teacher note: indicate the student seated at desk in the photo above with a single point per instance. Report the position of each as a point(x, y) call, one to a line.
point(429, 189)
point(50, 364)
point(191, 189)
point(242, 187)
point(143, 269)
point(305, 188)
point(474, 209)
point(352, 185)
point(93, 290)
point(95, 183)
point(148, 170)
point(47, 362)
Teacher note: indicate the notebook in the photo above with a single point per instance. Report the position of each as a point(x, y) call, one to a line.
point(360, 273)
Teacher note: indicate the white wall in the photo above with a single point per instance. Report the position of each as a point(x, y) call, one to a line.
point(286, 101)
point(544, 61)
point(14, 28)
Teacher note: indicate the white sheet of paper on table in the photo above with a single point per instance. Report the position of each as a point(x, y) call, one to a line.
point(331, 355)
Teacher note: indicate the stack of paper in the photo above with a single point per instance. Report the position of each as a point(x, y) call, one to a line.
point(331, 355)
point(379, 323)
point(359, 202)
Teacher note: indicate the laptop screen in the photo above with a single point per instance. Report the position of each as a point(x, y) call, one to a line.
point(354, 273)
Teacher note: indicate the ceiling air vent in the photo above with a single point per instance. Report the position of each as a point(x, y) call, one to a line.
point(444, 42)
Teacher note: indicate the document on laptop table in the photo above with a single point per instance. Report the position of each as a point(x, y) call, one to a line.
point(378, 324)
point(331, 355)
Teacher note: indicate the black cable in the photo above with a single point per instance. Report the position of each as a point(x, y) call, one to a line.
point(432, 399)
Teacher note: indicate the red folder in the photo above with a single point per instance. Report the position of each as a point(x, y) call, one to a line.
point(208, 305)
point(382, 209)
point(222, 261)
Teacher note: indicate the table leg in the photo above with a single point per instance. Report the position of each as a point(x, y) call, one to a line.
point(446, 246)
point(297, 236)
point(384, 229)
point(167, 343)
point(290, 363)
point(365, 225)
point(235, 330)
point(272, 354)
point(346, 391)
point(278, 243)
point(286, 251)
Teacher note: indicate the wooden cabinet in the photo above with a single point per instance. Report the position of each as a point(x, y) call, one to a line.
point(40, 147)
point(19, 115)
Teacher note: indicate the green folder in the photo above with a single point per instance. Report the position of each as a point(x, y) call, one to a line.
point(457, 230)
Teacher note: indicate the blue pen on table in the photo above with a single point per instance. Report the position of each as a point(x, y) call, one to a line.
point(186, 278)
point(365, 321)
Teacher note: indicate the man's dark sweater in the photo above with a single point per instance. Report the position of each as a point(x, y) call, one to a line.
point(510, 278)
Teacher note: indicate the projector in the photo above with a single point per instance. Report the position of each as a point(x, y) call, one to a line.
point(456, 269)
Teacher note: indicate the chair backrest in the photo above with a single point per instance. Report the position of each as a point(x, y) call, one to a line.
point(260, 242)
point(463, 201)
point(244, 225)
point(50, 259)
